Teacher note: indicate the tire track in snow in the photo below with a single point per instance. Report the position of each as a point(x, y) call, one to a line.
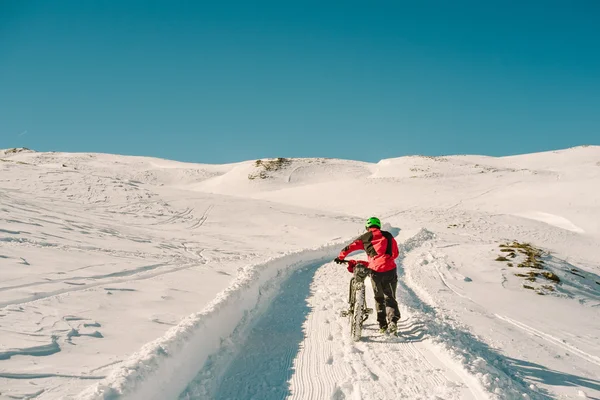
point(315, 374)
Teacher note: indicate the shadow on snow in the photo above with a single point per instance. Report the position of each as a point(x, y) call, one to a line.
point(263, 366)
point(513, 374)
point(537, 373)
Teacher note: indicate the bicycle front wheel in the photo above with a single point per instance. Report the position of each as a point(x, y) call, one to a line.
point(356, 320)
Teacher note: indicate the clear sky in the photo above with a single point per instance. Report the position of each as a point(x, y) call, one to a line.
point(226, 81)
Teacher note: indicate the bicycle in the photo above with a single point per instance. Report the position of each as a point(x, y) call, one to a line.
point(358, 311)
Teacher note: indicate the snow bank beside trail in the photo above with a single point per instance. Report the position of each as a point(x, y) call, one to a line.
point(551, 219)
point(163, 368)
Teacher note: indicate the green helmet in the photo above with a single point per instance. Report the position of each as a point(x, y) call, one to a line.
point(373, 221)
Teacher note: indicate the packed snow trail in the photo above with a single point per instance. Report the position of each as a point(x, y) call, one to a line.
point(331, 365)
point(301, 349)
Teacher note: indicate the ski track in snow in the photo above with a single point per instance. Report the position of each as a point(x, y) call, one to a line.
point(551, 339)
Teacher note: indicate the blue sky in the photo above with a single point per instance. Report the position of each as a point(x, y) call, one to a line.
point(235, 80)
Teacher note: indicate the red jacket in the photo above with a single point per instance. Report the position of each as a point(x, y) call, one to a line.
point(380, 246)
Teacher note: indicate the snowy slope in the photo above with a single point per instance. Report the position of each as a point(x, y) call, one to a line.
point(100, 254)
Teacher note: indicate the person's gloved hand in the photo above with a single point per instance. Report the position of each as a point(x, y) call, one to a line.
point(338, 260)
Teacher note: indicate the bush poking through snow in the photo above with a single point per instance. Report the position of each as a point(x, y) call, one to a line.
point(433, 158)
point(530, 258)
point(260, 175)
point(533, 256)
point(17, 150)
point(269, 166)
point(551, 276)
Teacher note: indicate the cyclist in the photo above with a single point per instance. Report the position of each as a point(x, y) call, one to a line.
point(382, 250)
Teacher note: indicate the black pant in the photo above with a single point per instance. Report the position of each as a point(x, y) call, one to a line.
point(384, 288)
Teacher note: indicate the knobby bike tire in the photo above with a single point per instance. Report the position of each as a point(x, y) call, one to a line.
point(356, 320)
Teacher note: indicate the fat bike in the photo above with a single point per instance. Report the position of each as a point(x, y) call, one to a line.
point(357, 312)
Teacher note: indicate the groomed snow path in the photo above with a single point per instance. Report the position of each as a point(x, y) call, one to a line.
point(300, 348)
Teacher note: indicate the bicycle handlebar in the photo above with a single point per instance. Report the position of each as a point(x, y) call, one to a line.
point(354, 262)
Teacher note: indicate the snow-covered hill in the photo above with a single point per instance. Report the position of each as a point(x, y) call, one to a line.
point(154, 279)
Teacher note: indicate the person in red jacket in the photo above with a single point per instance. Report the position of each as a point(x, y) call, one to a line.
point(382, 251)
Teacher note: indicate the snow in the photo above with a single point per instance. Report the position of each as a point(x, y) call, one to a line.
point(134, 277)
point(555, 220)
